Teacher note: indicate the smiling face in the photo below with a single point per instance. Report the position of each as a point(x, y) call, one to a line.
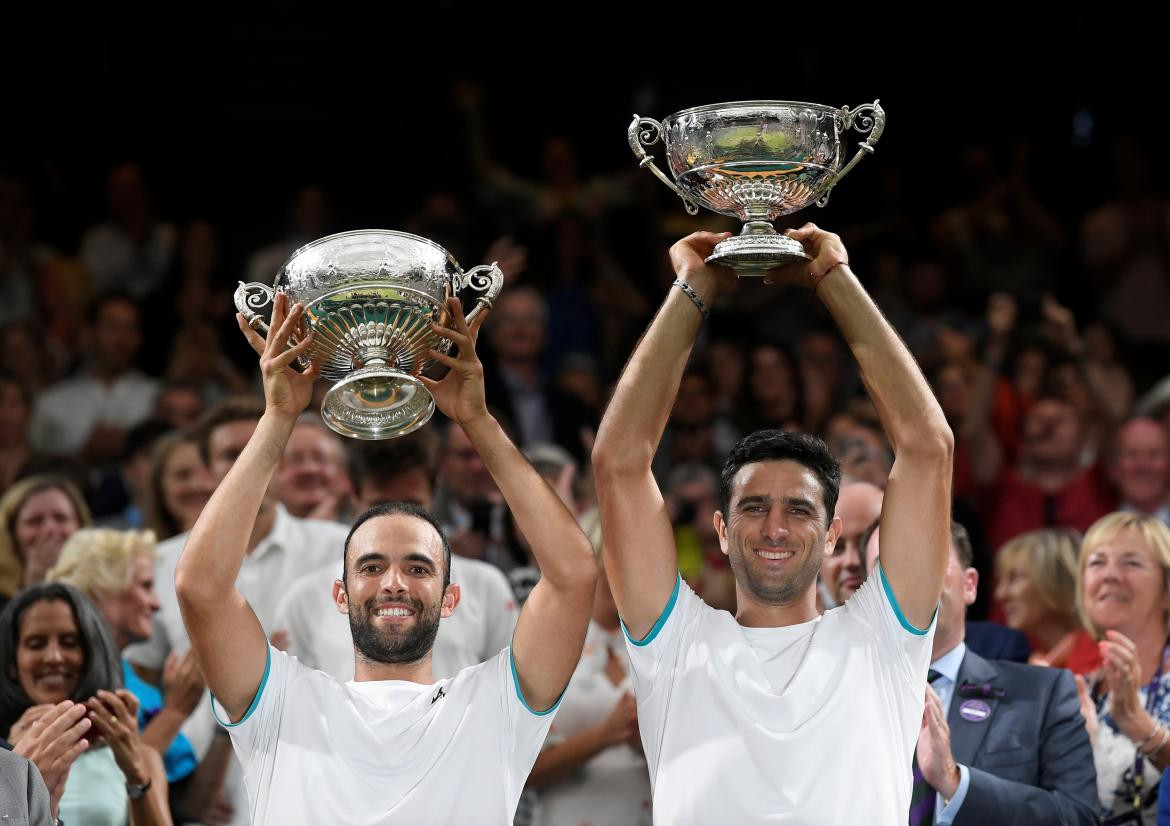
point(49, 653)
point(774, 532)
point(130, 613)
point(1124, 587)
point(393, 592)
point(1023, 606)
point(858, 505)
point(47, 518)
point(186, 484)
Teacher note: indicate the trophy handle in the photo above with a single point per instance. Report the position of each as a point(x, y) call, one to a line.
point(251, 296)
point(650, 136)
point(487, 279)
point(872, 124)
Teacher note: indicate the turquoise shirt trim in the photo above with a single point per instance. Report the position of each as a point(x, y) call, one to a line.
point(649, 638)
point(255, 700)
point(520, 694)
point(898, 609)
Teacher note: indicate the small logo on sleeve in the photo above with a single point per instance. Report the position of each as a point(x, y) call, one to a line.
point(440, 694)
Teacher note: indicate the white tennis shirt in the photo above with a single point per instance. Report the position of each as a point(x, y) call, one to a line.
point(809, 723)
point(315, 750)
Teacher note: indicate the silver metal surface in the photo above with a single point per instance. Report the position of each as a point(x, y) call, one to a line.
point(756, 160)
point(371, 296)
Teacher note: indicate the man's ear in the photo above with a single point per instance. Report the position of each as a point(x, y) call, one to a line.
point(720, 530)
point(451, 598)
point(970, 586)
point(832, 535)
point(340, 597)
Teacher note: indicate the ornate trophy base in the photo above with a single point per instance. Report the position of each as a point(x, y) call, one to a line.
point(756, 254)
point(377, 402)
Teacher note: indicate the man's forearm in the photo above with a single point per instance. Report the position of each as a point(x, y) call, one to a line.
point(218, 543)
point(641, 404)
point(561, 550)
point(905, 404)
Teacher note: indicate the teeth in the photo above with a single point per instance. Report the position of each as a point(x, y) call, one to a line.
point(775, 554)
point(394, 612)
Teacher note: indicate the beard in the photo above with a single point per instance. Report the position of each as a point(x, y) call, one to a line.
point(776, 588)
point(392, 645)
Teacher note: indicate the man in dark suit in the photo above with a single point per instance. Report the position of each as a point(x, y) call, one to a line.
point(1001, 742)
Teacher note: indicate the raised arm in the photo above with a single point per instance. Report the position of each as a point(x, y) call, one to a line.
point(227, 638)
point(551, 630)
point(916, 513)
point(640, 556)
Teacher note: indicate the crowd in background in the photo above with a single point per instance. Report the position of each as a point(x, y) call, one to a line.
point(124, 388)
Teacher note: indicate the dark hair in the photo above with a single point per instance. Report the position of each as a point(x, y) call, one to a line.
point(398, 509)
point(777, 445)
point(158, 518)
point(234, 409)
point(961, 541)
point(93, 312)
point(102, 670)
point(142, 437)
point(386, 460)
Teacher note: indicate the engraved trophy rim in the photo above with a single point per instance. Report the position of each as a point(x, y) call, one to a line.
point(745, 104)
point(354, 233)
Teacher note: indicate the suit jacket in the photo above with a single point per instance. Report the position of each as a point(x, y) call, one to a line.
point(23, 796)
point(993, 641)
point(1029, 759)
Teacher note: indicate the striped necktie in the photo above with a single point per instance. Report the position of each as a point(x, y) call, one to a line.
point(921, 794)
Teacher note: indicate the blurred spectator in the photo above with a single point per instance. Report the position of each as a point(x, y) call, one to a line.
point(859, 504)
point(115, 570)
point(1141, 468)
point(16, 453)
point(398, 470)
point(592, 768)
point(90, 412)
point(312, 477)
point(132, 250)
point(1036, 577)
point(978, 711)
point(694, 433)
point(318, 633)
point(517, 331)
point(774, 396)
point(823, 376)
point(56, 647)
point(1122, 595)
point(308, 221)
point(1126, 251)
point(25, 355)
point(179, 404)
point(180, 485)
point(692, 497)
point(135, 474)
point(467, 502)
point(1000, 236)
point(37, 515)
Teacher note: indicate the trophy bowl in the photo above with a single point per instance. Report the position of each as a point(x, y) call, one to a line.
point(756, 160)
point(370, 296)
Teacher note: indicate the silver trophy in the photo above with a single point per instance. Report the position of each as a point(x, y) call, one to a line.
point(371, 296)
point(756, 160)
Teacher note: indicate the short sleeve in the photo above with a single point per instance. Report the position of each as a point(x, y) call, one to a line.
point(524, 730)
point(875, 604)
point(255, 735)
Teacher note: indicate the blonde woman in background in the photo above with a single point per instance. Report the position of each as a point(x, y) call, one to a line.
point(1036, 583)
point(180, 485)
point(1123, 592)
point(115, 570)
point(37, 515)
